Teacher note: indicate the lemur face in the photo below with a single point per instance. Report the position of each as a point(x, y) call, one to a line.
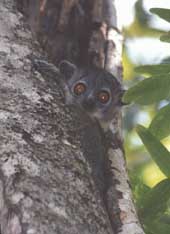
point(94, 90)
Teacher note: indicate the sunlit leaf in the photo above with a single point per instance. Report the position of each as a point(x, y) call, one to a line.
point(149, 90)
point(162, 13)
point(153, 69)
point(165, 37)
point(160, 125)
point(156, 200)
point(156, 149)
point(152, 174)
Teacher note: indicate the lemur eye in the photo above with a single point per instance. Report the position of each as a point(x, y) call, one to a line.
point(103, 96)
point(79, 88)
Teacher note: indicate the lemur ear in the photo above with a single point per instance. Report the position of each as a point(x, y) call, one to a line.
point(66, 68)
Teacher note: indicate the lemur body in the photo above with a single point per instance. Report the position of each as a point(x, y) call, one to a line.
point(94, 90)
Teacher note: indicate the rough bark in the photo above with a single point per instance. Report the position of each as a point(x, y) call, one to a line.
point(46, 184)
point(53, 162)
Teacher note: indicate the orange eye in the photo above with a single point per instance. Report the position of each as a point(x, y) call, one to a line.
point(103, 97)
point(79, 88)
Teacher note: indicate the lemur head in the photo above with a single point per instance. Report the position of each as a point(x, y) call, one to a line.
point(95, 90)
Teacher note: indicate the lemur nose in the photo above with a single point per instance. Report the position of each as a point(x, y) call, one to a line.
point(88, 104)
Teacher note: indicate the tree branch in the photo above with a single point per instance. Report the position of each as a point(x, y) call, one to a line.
point(119, 201)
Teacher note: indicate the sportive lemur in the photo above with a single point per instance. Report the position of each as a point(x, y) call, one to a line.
point(94, 90)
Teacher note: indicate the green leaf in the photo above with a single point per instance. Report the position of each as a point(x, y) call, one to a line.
point(165, 37)
point(149, 90)
point(159, 228)
point(162, 13)
point(166, 60)
point(141, 190)
point(156, 200)
point(153, 69)
point(157, 151)
point(160, 125)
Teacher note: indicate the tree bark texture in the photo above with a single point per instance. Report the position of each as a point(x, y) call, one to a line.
point(53, 165)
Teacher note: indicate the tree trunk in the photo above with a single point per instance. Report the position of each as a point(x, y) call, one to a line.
point(53, 163)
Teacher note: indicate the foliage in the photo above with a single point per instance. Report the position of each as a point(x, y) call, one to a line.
point(154, 203)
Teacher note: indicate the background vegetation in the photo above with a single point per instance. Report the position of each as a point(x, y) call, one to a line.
point(149, 95)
